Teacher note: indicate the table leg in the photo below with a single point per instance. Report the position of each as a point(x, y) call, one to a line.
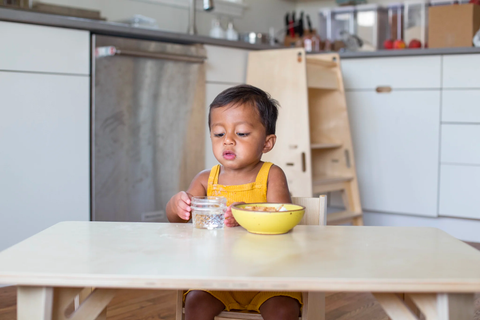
point(313, 306)
point(441, 306)
point(455, 306)
point(93, 308)
point(34, 303)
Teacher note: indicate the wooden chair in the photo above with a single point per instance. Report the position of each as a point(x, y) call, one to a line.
point(313, 302)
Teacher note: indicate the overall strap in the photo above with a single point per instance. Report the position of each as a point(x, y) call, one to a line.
point(262, 176)
point(213, 178)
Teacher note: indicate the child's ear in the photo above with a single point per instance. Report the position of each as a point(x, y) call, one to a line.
point(269, 143)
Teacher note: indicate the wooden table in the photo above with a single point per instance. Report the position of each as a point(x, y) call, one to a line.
point(439, 273)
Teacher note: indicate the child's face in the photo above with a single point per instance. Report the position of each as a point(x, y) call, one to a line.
point(238, 136)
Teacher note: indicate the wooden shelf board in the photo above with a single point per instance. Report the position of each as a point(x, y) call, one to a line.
point(326, 145)
point(320, 180)
point(319, 77)
point(341, 217)
point(322, 63)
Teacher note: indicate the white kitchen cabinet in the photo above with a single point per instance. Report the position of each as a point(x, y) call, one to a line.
point(226, 65)
point(44, 129)
point(397, 73)
point(461, 106)
point(461, 71)
point(461, 144)
point(26, 47)
point(45, 146)
point(396, 140)
point(459, 186)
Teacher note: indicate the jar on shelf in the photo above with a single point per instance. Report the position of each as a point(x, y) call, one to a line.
point(342, 20)
point(395, 21)
point(415, 20)
point(371, 23)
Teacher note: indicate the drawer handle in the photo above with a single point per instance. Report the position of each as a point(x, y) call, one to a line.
point(111, 51)
point(384, 89)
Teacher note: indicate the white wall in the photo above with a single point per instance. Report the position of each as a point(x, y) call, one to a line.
point(259, 16)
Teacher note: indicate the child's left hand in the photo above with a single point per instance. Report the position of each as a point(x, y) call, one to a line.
point(229, 219)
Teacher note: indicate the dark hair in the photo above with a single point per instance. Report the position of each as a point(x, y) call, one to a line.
point(246, 94)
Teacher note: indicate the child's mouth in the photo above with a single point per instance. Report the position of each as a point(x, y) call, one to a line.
point(229, 155)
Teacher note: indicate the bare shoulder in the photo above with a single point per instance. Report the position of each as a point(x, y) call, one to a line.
point(199, 184)
point(277, 186)
point(276, 174)
point(203, 175)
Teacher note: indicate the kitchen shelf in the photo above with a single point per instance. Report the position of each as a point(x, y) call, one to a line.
point(321, 63)
point(326, 145)
point(341, 217)
point(320, 180)
point(321, 76)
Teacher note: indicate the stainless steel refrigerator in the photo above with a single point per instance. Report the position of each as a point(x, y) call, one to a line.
point(148, 122)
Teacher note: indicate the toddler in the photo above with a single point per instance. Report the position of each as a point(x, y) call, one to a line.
point(242, 127)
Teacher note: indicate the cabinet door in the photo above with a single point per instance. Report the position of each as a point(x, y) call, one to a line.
point(45, 147)
point(282, 73)
point(461, 71)
point(459, 187)
point(396, 141)
point(26, 47)
point(225, 64)
point(460, 144)
point(396, 72)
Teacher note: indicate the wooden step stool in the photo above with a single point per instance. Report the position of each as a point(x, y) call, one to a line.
point(314, 146)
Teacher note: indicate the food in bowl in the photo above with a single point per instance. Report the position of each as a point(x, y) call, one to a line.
point(263, 218)
point(270, 209)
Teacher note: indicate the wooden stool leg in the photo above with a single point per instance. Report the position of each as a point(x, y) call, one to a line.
point(34, 303)
point(352, 203)
point(357, 221)
point(103, 315)
point(82, 296)
point(456, 306)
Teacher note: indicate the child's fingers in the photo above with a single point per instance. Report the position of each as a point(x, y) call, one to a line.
point(228, 213)
point(183, 208)
point(185, 197)
point(229, 219)
point(231, 222)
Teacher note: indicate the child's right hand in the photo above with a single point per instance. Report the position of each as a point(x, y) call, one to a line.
point(181, 202)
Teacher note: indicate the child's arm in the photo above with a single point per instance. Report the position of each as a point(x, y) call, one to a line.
point(178, 208)
point(277, 186)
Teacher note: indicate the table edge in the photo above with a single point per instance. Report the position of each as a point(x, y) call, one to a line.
point(261, 284)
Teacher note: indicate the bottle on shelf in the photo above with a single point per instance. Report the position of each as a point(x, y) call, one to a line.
point(311, 41)
point(216, 31)
point(231, 33)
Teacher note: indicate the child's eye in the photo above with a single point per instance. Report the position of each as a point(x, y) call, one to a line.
point(218, 135)
point(242, 134)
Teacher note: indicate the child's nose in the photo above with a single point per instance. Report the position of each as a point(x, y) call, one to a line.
point(228, 139)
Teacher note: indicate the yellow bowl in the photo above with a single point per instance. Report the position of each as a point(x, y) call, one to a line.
point(268, 222)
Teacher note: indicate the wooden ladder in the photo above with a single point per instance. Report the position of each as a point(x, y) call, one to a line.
point(314, 145)
point(333, 162)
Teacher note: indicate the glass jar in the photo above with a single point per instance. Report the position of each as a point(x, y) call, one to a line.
point(342, 21)
point(395, 21)
point(208, 212)
point(371, 23)
point(415, 22)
